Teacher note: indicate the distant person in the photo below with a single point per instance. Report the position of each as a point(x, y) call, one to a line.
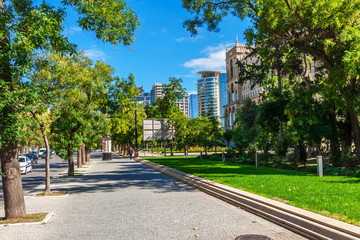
point(131, 151)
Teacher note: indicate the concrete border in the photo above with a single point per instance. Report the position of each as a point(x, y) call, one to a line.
point(303, 222)
point(44, 221)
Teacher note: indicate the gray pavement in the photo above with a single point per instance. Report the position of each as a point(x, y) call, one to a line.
point(122, 199)
point(37, 175)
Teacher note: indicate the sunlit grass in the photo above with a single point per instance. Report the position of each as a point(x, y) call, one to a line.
point(42, 194)
point(35, 217)
point(334, 196)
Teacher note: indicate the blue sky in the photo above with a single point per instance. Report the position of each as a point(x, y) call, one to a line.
point(163, 48)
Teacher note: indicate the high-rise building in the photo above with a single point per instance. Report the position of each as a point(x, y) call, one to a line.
point(223, 96)
point(194, 106)
point(237, 92)
point(157, 91)
point(183, 103)
point(209, 88)
point(144, 98)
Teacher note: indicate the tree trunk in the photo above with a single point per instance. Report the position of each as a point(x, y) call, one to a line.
point(83, 154)
point(296, 154)
point(87, 155)
point(47, 166)
point(12, 184)
point(309, 151)
point(345, 132)
point(71, 171)
point(279, 82)
point(171, 149)
point(79, 157)
point(318, 150)
point(355, 130)
point(335, 154)
point(302, 152)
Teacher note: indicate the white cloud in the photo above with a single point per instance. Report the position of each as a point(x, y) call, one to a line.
point(189, 39)
point(95, 54)
point(215, 59)
point(186, 76)
point(76, 29)
point(73, 30)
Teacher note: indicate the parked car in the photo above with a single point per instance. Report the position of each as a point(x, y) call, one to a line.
point(36, 154)
point(42, 152)
point(31, 156)
point(25, 164)
point(52, 152)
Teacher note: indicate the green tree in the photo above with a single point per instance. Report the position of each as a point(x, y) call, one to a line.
point(75, 105)
point(122, 106)
point(326, 30)
point(166, 105)
point(245, 131)
point(228, 136)
point(26, 27)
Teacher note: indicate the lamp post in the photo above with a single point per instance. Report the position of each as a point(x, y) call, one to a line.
point(136, 143)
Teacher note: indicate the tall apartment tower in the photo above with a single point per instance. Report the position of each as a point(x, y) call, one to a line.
point(238, 92)
point(183, 103)
point(157, 91)
point(210, 100)
point(194, 112)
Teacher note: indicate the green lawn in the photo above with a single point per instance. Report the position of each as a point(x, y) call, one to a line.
point(334, 196)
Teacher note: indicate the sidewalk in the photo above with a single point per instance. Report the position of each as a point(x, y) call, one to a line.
point(122, 199)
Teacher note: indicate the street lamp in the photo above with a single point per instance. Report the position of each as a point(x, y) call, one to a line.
point(136, 143)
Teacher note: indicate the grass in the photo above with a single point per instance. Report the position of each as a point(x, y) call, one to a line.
point(35, 217)
point(42, 194)
point(75, 175)
point(334, 196)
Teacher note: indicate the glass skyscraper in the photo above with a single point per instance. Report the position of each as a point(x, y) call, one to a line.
point(212, 94)
point(194, 106)
point(223, 97)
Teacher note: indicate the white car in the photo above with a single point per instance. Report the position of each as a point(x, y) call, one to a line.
point(42, 152)
point(25, 164)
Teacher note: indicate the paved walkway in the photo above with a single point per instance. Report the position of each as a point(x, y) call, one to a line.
point(122, 199)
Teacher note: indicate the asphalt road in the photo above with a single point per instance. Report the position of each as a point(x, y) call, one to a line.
point(37, 176)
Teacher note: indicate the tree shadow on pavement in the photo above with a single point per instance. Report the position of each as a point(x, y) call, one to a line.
point(126, 174)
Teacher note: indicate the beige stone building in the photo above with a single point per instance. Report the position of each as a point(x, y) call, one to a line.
point(237, 92)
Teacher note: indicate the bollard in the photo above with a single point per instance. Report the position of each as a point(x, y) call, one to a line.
point(223, 157)
point(257, 160)
point(320, 166)
point(200, 155)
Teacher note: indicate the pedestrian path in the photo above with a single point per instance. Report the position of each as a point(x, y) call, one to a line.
point(122, 199)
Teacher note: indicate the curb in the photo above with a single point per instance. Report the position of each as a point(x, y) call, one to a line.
point(44, 221)
point(303, 222)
